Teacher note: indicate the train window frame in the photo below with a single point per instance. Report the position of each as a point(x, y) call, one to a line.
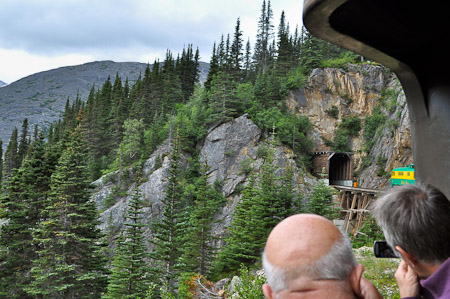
point(400, 173)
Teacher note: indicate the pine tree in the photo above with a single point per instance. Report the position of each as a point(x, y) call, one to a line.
point(171, 85)
point(321, 200)
point(248, 62)
point(198, 249)
point(168, 233)
point(130, 273)
point(188, 71)
point(265, 33)
point(119, 110)
point(311, 54)
point(11, 158)
point(222, 98)
point(236, 53)
point(213, 68)
point(284, 52)
point(241, 244)
point(23, 143)
point(24, 202)
point(268, 206)
point(69, 264)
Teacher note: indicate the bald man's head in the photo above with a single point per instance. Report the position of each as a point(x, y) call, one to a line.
point(308, 252)
point(300, 240)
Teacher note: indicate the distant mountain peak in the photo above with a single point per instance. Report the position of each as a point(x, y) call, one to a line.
point(2, 83)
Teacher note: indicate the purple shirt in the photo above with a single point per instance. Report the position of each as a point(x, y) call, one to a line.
point(437, 285)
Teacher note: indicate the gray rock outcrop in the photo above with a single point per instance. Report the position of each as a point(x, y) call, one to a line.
point(225, 147)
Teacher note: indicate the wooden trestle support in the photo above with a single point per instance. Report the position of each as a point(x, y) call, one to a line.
point(355, 203)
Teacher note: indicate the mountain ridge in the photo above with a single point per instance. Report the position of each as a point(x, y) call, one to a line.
point(41, 97)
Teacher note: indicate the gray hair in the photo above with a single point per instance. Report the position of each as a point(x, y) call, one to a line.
point(337, 264)
point(417, 218)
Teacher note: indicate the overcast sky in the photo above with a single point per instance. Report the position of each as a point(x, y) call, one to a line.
point(38, 35)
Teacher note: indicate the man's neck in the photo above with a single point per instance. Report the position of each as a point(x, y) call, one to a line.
point(426, 270)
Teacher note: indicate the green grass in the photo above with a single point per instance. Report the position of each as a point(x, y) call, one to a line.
point(380, 271)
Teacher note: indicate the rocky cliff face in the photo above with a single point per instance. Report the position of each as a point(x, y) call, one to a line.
point(334, 94)
point(224, 149)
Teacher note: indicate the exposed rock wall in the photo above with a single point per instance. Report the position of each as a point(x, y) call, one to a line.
point(224, 149)
point(356, 91)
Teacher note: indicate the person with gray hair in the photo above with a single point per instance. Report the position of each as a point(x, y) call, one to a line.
point(307, 256)
point(415, 220)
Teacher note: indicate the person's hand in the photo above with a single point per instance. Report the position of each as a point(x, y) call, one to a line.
point(362, 288)
point(407, 280)
point(368, 290)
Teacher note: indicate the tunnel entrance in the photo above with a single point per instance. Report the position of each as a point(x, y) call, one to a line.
point(334, 167)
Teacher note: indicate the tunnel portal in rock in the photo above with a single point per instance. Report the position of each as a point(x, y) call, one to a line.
point(336, 167)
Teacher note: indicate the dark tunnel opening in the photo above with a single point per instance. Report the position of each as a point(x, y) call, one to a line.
point(340, 171)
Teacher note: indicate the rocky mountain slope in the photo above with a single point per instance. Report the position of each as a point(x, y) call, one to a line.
point(359, 90)
point(42, 97)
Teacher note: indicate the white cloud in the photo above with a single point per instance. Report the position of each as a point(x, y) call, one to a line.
point(36, 35)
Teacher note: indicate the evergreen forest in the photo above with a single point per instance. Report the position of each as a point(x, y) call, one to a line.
point(50, 242)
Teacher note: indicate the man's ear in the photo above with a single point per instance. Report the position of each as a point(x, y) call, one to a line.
point(407, 257)
point(355, 280)
point(268, 291)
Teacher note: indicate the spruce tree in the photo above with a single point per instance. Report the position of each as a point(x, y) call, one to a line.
point(23, 204)
point(130, 273)
point(171, 85)
point(269, 208)
point(263, 38)
point(11, 157)
point(198, 249)
point(247, 62)
point(241, 245)
point(169, 231)
point(23, 143)
point(222, 98)
point(236, 52)
point(284, 51)
point(69, 263)
point(213, 68)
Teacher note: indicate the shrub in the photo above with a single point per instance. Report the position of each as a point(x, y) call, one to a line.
point(250, 286)
point(333, 112)
point(371, 125)
point(352, 124)
point(321, 201)
point(246, 166)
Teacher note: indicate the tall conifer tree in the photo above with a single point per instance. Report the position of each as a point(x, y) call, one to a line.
point(23, 143)
point(69, 263)
point(130, 272)
point(11, 157)
point(198, 249)
point(168, 233)
point(25, 200)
